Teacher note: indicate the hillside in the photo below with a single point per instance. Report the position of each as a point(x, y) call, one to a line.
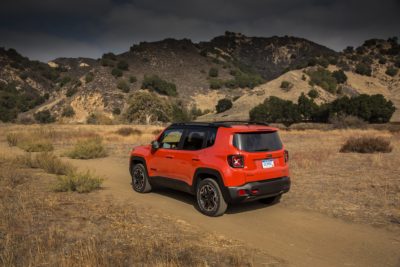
point(181, 74)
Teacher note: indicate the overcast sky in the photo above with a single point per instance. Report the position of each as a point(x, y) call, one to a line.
point(47, 29)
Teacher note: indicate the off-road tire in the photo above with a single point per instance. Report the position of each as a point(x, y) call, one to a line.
point(210, 200)
point(140, 179)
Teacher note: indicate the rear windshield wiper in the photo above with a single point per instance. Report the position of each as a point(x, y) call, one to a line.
point(262, 149)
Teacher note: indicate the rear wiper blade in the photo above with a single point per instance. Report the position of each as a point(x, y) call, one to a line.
point(263, 149)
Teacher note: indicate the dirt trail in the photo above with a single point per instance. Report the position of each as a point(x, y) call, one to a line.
point(301, 238)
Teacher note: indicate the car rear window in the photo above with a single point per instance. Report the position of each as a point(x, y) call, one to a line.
point(258, 141)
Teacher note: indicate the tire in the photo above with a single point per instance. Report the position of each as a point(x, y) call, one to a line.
point(140, 179)
point(210, 200)
point(271, 200)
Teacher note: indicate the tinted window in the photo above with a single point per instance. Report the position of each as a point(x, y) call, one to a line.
point(194, 139)
point(260, 141)
point(170, 138)
point(212, 134)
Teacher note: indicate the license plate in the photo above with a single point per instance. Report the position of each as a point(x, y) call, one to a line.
point(267, 163)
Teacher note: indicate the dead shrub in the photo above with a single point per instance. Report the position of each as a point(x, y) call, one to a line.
point(367, 144)
point(125, 131)
point(12, 139)
point(345, 122)
point(88, 149)
point(35, 145)
point(80, 182)
point(49, 162)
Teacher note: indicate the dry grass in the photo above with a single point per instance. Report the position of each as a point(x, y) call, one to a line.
point(363, 188)
point(366, 144)
point(88, 149)
point(46, 161)
point(41, 228)
point(125, 131)
point(84, 182)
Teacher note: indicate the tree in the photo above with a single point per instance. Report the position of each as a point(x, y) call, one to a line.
point(213, 72)
point(306, 107)
point(391, 71)
point(275, 109)
point(313, 93)
point(159, 85)
point(324, 79)
point(363, 69)
point(340, 76)
point(286, 86)
point(44, 117)
point(223, 105)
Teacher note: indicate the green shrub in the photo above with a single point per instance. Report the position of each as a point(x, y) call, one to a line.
point(159, 85)
point(68, 112)
point(286, 86)
point(132, 79)
point(123, 65)
point(146, 107)
point(213, 72)
point(64, 81)
point(367, 144)
point(275, 109)
point(392, 71)
point(80, 182)
point(116, 111)
point(116, 72)
point(125, 131)
point(243, 80)
point(89, 77)
point(363, 69)
point(123, 86)
point(313, 93)
point(223, 105)
point(44, 117)
point(216, 83)
point(340, 76)
point(306, 107)
point(71, 91)
point(88, 149)
point(35, 145)
point(324, 79)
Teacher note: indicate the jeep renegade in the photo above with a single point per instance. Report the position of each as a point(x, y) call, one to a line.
point(218, 162)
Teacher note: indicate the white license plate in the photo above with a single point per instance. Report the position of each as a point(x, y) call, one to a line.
point(267, 163)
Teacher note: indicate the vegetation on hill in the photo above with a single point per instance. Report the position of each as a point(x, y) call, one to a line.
point(155, 83)
point(223, 105)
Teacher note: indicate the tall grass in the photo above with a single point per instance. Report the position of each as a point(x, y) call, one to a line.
point(80, 182)
point(366, 144)
point(88, 149)
point(29, 143)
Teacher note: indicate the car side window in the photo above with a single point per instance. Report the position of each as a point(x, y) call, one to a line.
point(170, 138)
point(194, 139)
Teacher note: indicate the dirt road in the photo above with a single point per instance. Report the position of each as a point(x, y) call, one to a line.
point(300, 238)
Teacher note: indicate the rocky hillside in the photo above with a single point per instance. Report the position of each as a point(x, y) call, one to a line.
point(187, 79)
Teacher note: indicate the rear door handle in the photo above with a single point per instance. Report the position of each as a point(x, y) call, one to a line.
point(169, 157)
point(194, 159)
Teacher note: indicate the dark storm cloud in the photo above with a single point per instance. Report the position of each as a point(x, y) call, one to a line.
point(49, 28)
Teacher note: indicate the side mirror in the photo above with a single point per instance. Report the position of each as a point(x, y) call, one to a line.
point(155, 145)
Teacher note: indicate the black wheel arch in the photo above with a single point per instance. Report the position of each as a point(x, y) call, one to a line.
point(202, 173)
point(136, 160)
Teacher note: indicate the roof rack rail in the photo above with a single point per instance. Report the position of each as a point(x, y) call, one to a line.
point(227, 124)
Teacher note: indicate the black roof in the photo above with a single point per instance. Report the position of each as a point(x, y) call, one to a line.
point(227, 124)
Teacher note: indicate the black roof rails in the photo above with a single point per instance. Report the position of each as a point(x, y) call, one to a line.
point(226, 124)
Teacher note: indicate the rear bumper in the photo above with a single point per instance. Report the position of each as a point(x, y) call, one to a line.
point(258, 190)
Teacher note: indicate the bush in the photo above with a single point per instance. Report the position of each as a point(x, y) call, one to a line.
point(80, 182)
point(46, 161)
point(180, 113)
point(286, 86)
point(340, 76)
point(306, 107)
point(116, 72)
point(116, 111)
point(363, 69)
point(12, 139)
point(110, 56)
point(324, 79)
point(223, 105)
point(391, 71)
point(216, 83)
point(313, 93)
point(38, 145)
point(123, 65)
point(64, 81)
point(159, 85)
point(147, 107)
point(367, 144)
point(88, 149)
point(132, 79)
point(213, 72)
point(44, 117)
point(71, 91)
point(68, 112)
point(89, 77)
point(275, 109)
point(123, 86)
point(346, 121)
point(125, 131)
point(243, 80)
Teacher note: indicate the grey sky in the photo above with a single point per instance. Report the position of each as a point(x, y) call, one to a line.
point(48, 29)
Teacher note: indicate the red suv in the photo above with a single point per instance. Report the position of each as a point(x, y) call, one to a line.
point(219, 162)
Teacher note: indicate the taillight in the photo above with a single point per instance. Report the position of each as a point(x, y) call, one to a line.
point(236, 161)
point(286, 155)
